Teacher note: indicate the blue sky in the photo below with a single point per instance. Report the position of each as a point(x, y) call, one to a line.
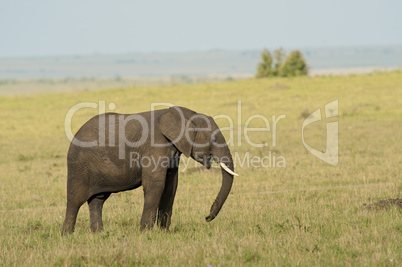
point(39, 27)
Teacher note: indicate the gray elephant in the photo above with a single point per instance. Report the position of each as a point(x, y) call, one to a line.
point(118, 152)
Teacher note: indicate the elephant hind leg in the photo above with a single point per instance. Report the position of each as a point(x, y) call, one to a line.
point(71, 216)
point(95, 204)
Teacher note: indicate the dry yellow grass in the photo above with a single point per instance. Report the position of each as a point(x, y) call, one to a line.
point(308, 213)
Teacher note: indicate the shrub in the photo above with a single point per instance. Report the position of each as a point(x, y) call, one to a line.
point(279, 55)
point(294, 65)
point(264, 68)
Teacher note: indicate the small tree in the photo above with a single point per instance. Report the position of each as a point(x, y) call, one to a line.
point(294, 65)
point(279, 56)
point(264, 68)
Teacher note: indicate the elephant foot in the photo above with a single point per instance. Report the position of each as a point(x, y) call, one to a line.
point(146, 227)
point(96, 227)
point(67, 231)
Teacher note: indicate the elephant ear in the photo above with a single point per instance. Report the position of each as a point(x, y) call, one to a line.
point(176, 127)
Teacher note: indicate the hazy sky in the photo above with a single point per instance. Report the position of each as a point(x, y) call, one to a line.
point(39, 27)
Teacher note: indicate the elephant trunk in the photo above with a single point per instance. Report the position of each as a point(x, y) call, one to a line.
point(227, 181)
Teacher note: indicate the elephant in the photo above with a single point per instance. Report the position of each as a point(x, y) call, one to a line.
point(115, 152)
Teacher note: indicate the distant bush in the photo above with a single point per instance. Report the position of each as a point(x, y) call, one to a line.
point(264, 68)
point(294, 65)
point(284, 66)
point(279, 55)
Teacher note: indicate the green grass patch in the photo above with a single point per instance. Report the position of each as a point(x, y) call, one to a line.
point(308, 213)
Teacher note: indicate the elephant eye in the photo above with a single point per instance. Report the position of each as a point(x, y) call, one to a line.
point(214, 139)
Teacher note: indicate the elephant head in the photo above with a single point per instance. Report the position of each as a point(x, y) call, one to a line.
point(197, 136)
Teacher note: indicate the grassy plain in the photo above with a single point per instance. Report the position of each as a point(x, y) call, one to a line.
point(307, 213)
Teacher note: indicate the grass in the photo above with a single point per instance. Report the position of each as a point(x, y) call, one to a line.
point(308, 213)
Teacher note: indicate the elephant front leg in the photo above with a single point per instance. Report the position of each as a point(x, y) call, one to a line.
point(166, 203)
point(153, 182)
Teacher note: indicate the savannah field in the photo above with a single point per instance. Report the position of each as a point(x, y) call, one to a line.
point(305, 213)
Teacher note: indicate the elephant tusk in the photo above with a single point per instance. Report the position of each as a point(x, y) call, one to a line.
point(226, 168)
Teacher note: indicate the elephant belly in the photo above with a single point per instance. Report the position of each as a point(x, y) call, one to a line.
point(113, 176)
point(103, 183)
